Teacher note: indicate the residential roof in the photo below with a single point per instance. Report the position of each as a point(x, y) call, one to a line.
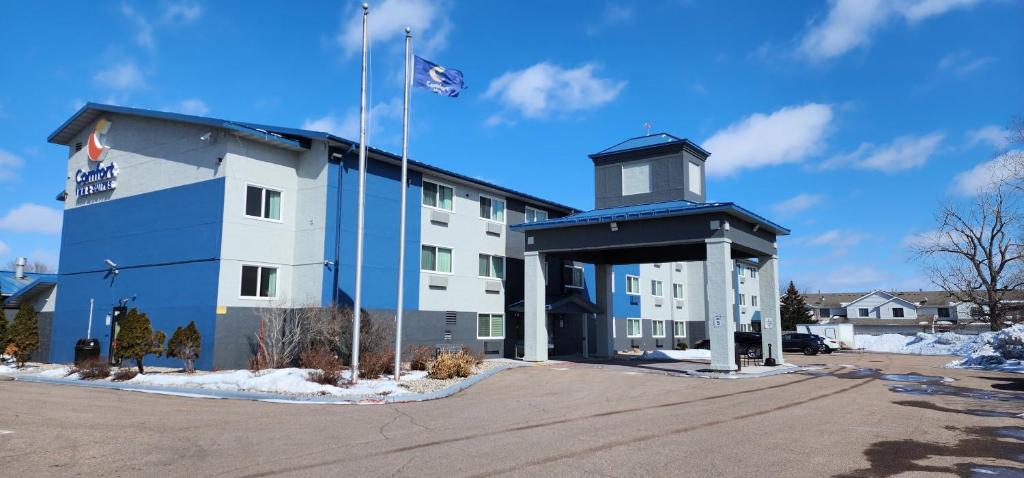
point(288, 138)
point(12, 289)
point(651, 211)
point(562, 304)
point(925, 298)
point(649, 141)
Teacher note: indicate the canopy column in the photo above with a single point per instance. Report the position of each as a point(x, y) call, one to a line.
point(771, 318)
point(718, 273)
point(605, 322)
point(535, 327)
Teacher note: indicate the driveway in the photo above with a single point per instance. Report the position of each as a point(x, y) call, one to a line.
point(556, 420)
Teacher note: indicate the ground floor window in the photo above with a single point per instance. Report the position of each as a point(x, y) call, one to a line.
point(897, 311)
point(490, 326)
point(633, 328)
point(944, 312)
point(680, 329)
point(658, 328)
point(862, 312)
point(259, 281)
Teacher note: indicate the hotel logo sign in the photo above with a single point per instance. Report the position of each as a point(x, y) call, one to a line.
point(97, 180)
point(96, 147)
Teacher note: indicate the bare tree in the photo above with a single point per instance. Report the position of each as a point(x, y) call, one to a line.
point(31, 266)
point(976, 254)
point(279, 338)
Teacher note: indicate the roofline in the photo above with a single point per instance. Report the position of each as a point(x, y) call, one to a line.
point(683, 142)
point(29, 288)
point(726, 207)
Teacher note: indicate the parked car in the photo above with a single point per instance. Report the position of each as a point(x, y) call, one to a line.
point(831, 345)
point(747, 343)
point(809, 344)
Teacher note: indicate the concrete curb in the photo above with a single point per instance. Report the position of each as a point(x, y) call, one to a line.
point(370, 399)
point(741, 376)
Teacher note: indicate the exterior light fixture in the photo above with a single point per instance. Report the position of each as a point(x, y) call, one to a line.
point(615, 226)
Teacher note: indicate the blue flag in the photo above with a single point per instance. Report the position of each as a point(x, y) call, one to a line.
point(436, 78)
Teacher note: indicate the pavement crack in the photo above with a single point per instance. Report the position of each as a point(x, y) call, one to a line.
point(413, 420)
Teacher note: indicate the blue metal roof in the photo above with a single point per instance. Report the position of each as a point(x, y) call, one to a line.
point(641, 142)
point(650, 211)
point(13, 288)
point(282, 136)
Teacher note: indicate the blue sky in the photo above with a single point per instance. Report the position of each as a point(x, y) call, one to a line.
point(848, 121)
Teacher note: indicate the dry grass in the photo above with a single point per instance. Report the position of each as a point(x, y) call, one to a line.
point(421, 358)
point(124, 374)
point(450, 365)
point(92, 369)
point(326, 364)
point(374, 364)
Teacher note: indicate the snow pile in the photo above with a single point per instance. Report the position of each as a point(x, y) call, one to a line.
point(1003, 351)
point(691, 354)
point(284, 381)
point(946, 343)
point(4, 369)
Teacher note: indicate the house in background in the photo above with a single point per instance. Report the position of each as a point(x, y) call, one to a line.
point(38, 290)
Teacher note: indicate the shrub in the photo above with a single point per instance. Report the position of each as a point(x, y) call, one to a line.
point(421, 357)
point(124, 374)
point(3, 332)
point(136, 339)
point(185, 345)
point(256, 364)
point(279, 338)
point(327, 367)
point(374, 364)
point(681, 346)
point(452, 365)
point(91, 369)
point(24, 334)
point(324, 377)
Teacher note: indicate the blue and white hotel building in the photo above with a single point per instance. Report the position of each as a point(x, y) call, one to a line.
point(204, 219)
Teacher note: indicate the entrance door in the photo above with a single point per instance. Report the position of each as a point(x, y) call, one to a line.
point(566, 334)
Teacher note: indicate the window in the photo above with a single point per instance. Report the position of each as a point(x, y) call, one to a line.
point(897, 311)
point(438, 195)
point(490, 326)
point(633, 328)
point(535, 215)
point(636, 178)
point(944, 312)
point(753, 273)
point(436, 259)
point(743, 299)
point(492, 266)
point(658, 328)
point(259, 281)
point(679, 329)
point(262, 203)
point(656, 288)
point(576, 277)
point(492, 209)
point(632, 285)
point(677, 291)
point(753, 301)
point(862, 312)
point(824, 313)
point(694, 178)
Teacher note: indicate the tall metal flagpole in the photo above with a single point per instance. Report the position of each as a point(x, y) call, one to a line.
point(401, 222)
point(358, 307)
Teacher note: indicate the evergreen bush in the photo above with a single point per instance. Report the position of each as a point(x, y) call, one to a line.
point(136, 339)
point(185, 345)
point(24, 334)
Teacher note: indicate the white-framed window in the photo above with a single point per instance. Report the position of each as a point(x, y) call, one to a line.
point(658, 329)
point(492, 209)
point(438, 195)
point(492, 266)
point(677, 291)
point(679, 328)
point(897, 311)
point(743, 299)
point(753, 300)
point(259, 281)
point(490, 326)
point(262, 203)
point(753, 273)
point(632, 285)
point(656, 288)
point(863, 312)
point(694, 179)
point(636, 178)
point(436, 259)
point(535, 215)
point(575, 277)
point(633, 328)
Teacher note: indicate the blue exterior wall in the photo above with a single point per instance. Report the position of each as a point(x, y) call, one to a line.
point(166, 245)
point(380, 256)
point(621, 306)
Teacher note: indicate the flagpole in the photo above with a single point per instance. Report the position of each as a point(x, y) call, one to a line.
point(401, 222)
point(358, 307)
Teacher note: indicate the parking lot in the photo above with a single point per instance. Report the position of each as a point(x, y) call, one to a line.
point(844, 417)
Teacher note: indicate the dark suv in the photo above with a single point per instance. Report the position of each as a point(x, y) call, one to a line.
point(809, 344)
point(747, 343)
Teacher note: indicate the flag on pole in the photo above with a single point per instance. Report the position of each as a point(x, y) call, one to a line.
point(436, 78)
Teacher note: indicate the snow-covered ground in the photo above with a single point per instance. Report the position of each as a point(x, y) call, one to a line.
point(690, 354)
point(1001, 351)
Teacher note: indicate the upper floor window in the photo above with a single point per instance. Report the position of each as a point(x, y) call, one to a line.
point(535, 215)
point(695, 179)
point(743, 299)
point(656, 288)
point(492, 209)
point(492, 266)
point(262, 203)
point(753, 273)
point(753, 300)
point(438, 195)
point(576, 277)
point(259, 281)
point(636, 178)
point(436, 259)
point(677, 291)
point(632, 285)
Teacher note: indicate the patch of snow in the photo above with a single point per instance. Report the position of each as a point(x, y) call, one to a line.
point(945, 343)
point(7, 369)
point(165, 392)
point(59, 372)
point(1000, 351)
point(284, 381)
point(689, 354)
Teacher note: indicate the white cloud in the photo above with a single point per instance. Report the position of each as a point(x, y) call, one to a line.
point(836, 238)
point(9, 162)
point(995, 136)
point(144, 28)
point(191, 106)
point(614, 15)
point(902, 154)
point(181, 12)
point(985, 176)
point(347, 126)
point(545, 88)
point(963, 62)
point(388, 20)
point(797, 204)
point(28, 217)
point(788, 135)
point(855, 277)
point(174, 13)
point(851, 23)
point(122, 76)
point(45, 256)
point(4, 249)
point(924, 239)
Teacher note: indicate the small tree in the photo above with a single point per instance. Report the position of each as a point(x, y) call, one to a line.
point(280, 336)
point(136, 339)
point(24, 334)
point(3, 332)
point(184, 345)
point(793, 308)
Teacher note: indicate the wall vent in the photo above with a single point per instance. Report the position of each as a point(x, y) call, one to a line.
point(450, 318)
point(78, 147)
